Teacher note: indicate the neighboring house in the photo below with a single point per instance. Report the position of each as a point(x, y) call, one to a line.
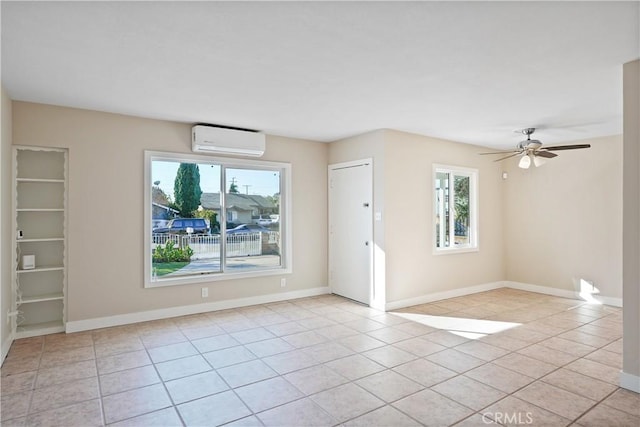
point(241, 208)
point(161, 215)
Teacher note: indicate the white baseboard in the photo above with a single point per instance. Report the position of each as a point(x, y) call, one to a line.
point(6, 345)
point(630, 382)
point(563, 293)
point(164, 313)
point(437, 296)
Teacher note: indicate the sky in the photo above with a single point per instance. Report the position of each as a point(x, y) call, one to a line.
point(264, 183)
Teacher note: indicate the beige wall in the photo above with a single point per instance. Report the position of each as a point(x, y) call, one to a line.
point(105, 234)
point(402, 193)
point(5, 222)
point(563, 220)
point(630, 377)
point(412, 268)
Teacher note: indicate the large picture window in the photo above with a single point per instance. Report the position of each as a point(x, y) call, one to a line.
point(212, 218)
point(455, 202)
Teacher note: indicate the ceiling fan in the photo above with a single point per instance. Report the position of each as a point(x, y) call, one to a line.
point(532, 150)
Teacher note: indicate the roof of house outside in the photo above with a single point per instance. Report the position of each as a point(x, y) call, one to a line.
point(243, 202)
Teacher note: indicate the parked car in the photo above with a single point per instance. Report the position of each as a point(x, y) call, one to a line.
point(180, 226)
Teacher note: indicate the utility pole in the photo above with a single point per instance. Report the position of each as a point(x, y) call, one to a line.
point(246, 189)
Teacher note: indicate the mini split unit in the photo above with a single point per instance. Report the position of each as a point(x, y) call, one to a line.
point(221, 140)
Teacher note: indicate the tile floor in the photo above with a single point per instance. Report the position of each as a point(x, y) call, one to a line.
point(324, 361)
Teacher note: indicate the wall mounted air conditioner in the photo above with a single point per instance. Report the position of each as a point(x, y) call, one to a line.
point(219, 140)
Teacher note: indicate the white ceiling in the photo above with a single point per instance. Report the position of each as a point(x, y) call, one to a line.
point(470, 72)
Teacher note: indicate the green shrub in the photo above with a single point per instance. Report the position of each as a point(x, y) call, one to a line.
point(170, 253)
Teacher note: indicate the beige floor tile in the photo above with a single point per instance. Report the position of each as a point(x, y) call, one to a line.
point(365, 325)
point(512, 411)
point(606, 358)
point(56, 396)
point(250, 421)
point(425, 372)
point(346, 401)
point(172, 351)
point(455, 360)
point(525, 365)
point(360, 342)
point(213, 410)
point(389, 385)
point(481, 350)
point(469, 392)
point(498, 377)
point(301, 413)
point(548, 355)
point(135, 402)
point(123, 361)
point(603, 415)
point(567, 346)
point(626, 401)
point(304, 339)
point(195, 386)
point(84, 414)
point(127, 380)
point(383, 417)
point(17, 365)
point(389, 356)
point(228, 356)
point(595, 370)
point(269, 347)
point(288, 362)
point(315, 379)
point(476, 420)
point(182, 367)
point(203, 332)
point(252, 335)
point(105, 349)
point(63, 341)
point(65, 373)
point(615, 347)
point(286, 328)
point(246, 373)
point(445, 338)
point(62, 357)
point(432, 409)
point(419, 346)
point(504, 342)
point(561, 402)
point(580, 384)
point(15, 405)
point(354, 367)
point(316, 322)
point(267, 394)
point(328, 351)
point(587, 339)
point(18, 382)
point(158, 339)
point(218, 342)
point(336, 332)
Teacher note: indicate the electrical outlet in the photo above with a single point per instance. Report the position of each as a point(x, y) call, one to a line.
point(283, 282)
point(205, 292)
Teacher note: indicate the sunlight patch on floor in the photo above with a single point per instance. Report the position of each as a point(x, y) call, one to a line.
point(464, 327)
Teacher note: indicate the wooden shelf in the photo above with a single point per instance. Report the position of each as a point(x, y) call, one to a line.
point(36, 329)
point(41, 298)
point(43, 239)
point(43, 268)
point(42, 180)
point(40, 210)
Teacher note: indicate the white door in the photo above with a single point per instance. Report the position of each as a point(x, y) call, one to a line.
point(351, 230)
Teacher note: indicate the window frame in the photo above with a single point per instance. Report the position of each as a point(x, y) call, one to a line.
point(474, 203)
point(286, 242)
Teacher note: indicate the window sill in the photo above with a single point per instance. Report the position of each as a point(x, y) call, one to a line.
point(215, 277)
point(453, 251)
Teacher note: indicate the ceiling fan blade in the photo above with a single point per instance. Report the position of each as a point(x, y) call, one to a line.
point(566, 147)
point(501, 152)
point(546, 154)
point(508, 157)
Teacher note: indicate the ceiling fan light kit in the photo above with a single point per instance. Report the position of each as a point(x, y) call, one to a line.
point(532, 151)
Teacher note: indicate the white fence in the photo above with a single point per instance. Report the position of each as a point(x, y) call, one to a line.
point(208, 246)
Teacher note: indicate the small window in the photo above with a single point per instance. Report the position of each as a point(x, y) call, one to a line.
point(456, 209)
point(200, 223)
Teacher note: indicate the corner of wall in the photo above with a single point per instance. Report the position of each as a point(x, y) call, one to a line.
point(6, 335)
